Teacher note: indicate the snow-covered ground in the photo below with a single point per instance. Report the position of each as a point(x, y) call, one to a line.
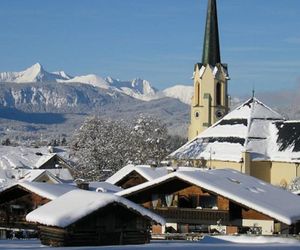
point(224, 242)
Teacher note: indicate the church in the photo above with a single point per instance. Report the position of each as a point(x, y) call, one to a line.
point(252, 138)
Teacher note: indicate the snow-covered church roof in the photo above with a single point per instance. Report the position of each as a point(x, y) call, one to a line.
point(77, 204)
point(249, 128)
point(236, 186)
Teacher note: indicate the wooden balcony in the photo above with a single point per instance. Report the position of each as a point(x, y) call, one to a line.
point(193, 216)
point(17, 222)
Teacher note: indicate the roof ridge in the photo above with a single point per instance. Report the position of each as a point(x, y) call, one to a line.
point(249, 124)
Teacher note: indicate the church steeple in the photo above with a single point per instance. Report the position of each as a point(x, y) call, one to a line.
point(211, 46)
point(210, 100)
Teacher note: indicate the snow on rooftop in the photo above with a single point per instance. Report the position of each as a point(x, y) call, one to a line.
point(43, 159)
point(49, 191)
point(104, 187)
point(148, 172)
point(32, 175)
point(246, 128)
point(15, 162)
point(76, 204)
point(24, 157)
point(243, 189)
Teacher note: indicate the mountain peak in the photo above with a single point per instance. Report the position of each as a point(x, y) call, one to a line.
point(37, 66)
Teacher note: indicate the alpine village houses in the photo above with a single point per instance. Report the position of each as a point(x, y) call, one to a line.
point(217, 200)
point(236, 161)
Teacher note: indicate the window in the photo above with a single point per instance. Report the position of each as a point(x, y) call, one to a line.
point(218, 93)
point(197, 114)
point(208, 201)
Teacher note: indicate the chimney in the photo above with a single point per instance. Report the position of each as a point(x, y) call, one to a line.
point(82, 184)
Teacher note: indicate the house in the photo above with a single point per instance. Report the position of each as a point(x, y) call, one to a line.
point(20, 199)
point(50, 160)
point(132, 175)
point(226, 200)
point(20, 162)
point(82, 218)
point(253, 139)
point(51, 176)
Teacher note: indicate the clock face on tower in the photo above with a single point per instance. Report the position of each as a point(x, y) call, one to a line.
point(219, 113)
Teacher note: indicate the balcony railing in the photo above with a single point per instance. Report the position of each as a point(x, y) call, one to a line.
point(193, 216)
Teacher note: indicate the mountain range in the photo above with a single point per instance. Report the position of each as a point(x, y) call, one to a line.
point(36, 103)
point(136, 88)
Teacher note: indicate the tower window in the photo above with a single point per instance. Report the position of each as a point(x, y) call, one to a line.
point(197, 114)
point(218, 93)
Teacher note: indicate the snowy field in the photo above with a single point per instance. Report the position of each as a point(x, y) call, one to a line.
point(222, 242)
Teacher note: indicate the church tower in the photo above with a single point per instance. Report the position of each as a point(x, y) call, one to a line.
point(210, 100)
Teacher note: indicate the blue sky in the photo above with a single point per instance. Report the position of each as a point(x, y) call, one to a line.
point(158, 40)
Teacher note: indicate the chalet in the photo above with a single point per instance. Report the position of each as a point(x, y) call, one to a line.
point(132, 175)
point(81, 218)
point(227, 200)
point(20, 199)
point(50, 161)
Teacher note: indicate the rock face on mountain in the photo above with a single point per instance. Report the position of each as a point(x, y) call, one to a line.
point(58, 98)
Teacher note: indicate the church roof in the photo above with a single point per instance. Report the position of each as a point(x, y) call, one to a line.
point(282, 142)
point(246, 128)
point(211, 45)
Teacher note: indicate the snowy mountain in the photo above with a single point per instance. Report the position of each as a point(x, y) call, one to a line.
point(35, 102)
point(181, 92)
point(136, 88)
point(90, 79)
point(35, 73)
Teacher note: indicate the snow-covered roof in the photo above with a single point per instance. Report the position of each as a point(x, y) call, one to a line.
point(43, 159)
point(246, 128)
point(49, 191)
point(22, 157)
point(282, 142)
point(146, 171)
point(243, 189)
point(104, 187)
point(33, 175)
point(76, 204)
point(15, 162)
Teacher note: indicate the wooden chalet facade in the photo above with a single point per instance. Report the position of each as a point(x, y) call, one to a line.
point(93, 219)
point(132, 179)
point(20, 199)
point(15, 204)
point(189, 207)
